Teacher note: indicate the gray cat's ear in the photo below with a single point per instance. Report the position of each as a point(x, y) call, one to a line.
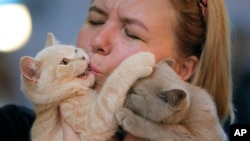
point(168, 61)
point(173, 97)
point(30, 69)
point(51, 40)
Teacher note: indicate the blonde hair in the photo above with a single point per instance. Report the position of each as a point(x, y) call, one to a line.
point(208, 38)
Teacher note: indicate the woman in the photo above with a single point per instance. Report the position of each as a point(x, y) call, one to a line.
point(194, 33)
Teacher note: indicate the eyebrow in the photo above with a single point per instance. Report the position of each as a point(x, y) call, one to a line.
point(98, 10)
point(134, 21)
point(126, 20)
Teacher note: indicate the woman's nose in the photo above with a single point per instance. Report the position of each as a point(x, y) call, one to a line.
point(101, 42)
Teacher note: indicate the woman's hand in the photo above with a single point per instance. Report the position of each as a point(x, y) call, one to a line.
point(130, 137)
point(68, 132)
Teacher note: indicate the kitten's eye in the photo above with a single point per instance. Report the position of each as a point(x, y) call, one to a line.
point(64, 61)
point(132, 91)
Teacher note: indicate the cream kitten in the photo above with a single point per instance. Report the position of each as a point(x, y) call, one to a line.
point(59, 76)
point(163, 107)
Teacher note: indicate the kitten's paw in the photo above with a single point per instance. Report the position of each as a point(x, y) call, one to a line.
point(125, 118)
point(141, 59)
point(120, 115)
point(140, 64)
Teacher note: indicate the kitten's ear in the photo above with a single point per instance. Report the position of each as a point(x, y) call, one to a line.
point(51, 40)
point(30, 69)
point(173, 97)
point(168, 61)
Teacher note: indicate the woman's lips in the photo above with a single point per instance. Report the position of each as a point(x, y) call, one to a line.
point(94, 70)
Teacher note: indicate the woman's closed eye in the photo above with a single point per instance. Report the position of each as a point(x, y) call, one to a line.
point(96, 22)
point(96, 19)
point(131, 35)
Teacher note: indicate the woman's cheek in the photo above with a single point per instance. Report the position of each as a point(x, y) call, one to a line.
point(84, 37)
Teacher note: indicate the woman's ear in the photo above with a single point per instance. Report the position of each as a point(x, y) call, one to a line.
point(185, 68)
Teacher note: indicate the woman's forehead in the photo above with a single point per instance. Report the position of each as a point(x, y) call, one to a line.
point(132, 4)
point(138, 9)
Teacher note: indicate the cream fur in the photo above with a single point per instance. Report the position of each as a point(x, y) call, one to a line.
point(50, 81)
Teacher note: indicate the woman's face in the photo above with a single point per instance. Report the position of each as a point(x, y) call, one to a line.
point(116, 29)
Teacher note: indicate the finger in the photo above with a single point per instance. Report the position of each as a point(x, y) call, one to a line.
point(68, 132)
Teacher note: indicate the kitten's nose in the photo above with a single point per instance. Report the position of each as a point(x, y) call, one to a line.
point(83, 58)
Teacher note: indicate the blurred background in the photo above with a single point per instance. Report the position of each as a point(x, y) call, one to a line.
point(64, 18)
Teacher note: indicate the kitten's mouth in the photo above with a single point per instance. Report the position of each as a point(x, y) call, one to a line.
point(84, 74)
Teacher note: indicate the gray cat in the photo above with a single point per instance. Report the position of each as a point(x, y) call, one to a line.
point(163, 107)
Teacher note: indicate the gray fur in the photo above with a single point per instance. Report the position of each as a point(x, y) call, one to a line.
point(163, 107)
